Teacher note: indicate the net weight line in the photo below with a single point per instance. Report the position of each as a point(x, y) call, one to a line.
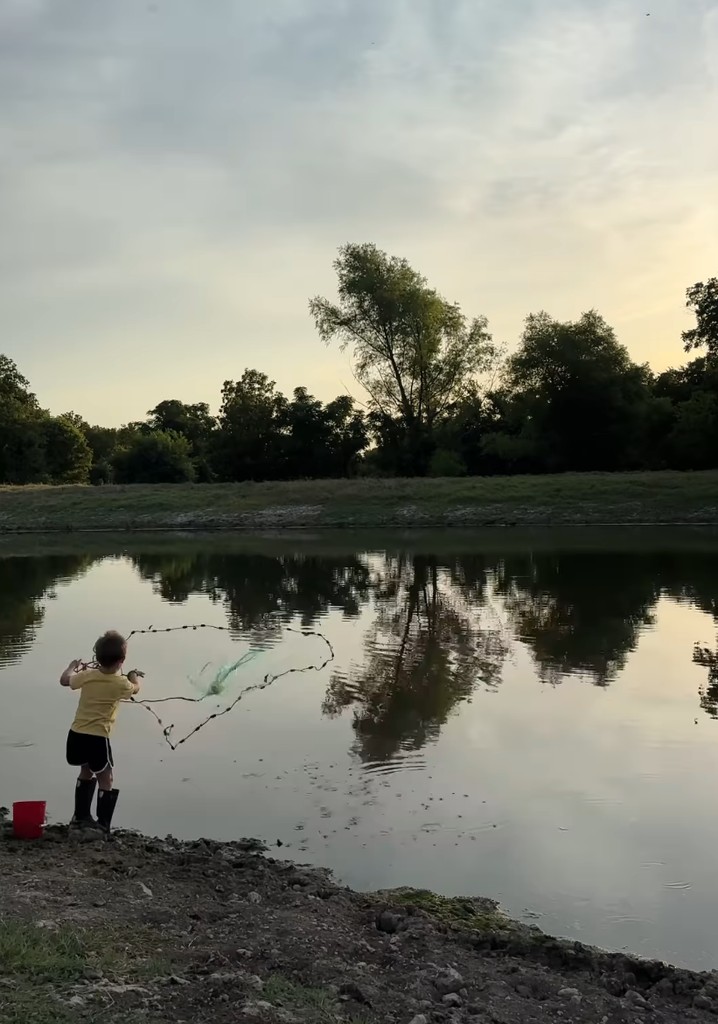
point(266, 681)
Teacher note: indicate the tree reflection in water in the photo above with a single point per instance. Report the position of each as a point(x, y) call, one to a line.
point(438, 626)
point(424, 653)
point(26, 584)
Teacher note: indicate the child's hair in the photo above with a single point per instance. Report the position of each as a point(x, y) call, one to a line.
point(110, 649)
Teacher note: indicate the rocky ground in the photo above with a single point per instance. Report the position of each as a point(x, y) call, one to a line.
point(132, 929)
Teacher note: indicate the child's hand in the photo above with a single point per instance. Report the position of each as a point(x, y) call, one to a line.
point(75, 665)
point(135, 673)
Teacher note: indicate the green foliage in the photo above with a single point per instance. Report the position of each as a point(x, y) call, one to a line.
point(315, 1005)
point(251, 427)
point(577, 400)
point(159, 457)
point(322, 441)
point(693, 441)
point(702, 299)
point(446, 463)
point(468, 913)
point(40, 953)
point(192, 422)
point(414, 352)
point(442, 402)
point(14, 388)
point(68, 456)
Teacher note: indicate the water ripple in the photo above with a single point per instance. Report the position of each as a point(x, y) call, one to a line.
point(412, 762)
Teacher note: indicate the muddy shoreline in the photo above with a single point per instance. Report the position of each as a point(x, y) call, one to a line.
point(136, 928)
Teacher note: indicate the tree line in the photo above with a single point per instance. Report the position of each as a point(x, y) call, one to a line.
point(442, 399)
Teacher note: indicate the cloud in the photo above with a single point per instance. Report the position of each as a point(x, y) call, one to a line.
point(177, 176)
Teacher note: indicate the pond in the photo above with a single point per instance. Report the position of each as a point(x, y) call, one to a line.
point(514, 714)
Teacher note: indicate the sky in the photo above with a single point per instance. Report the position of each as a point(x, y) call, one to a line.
point(177, 175)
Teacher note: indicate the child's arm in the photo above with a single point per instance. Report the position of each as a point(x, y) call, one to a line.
point(69, 672)
point(134, 677)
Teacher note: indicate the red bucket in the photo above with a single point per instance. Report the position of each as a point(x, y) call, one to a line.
point(28, 818)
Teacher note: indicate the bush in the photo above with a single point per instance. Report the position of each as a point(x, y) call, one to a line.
point(161, 457)
point(446, 463)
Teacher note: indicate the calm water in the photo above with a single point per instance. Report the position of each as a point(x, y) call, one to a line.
point(515, 715)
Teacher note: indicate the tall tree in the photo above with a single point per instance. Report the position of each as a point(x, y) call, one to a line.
point(251, 424)
point(68, 456)
point(579, 397)
point(322, 441)
point(14, 388)
point(414, 352)
point(703, 300)
point(192, 421)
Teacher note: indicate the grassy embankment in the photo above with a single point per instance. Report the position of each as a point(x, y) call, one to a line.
point(569, 499)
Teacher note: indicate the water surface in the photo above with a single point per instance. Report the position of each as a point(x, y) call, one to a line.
point(519, 715)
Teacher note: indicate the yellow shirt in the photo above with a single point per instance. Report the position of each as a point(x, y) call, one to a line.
point(100, 696)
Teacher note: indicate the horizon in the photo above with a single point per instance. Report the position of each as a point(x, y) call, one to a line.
point(178, 180)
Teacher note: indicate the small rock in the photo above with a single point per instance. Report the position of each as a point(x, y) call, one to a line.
point(255, 982)
point(388, 922)
point(569, 993)
point(452, 999)
point(286, 1016)
point(174, 979)
point(352, 991)
point(448, 981)
point(635, 998)
point(419, 1019)
point(254, 897)
point(121, 990)
point(253, 1009)
point(76, 1001)
point(664, 986)
point(703, 1002)
point(145, 889)
point(614, 985)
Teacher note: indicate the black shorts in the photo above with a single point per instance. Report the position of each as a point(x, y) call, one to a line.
point(93, 752)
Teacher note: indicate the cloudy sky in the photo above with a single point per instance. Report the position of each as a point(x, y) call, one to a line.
point(176, 175)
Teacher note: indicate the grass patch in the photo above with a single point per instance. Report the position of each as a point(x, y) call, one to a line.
point(32, 1005)
point(41, 967)
point(41, 954)
point(315, 1004)
point(36, 964)
point(568, 499)
point(455, 911)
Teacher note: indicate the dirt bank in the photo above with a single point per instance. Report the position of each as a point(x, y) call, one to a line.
point(158, 930)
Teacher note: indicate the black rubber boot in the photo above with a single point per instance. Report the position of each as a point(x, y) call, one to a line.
point(106, 800)
point(84, 792)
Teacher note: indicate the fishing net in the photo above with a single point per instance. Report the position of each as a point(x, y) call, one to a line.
point(213, 681)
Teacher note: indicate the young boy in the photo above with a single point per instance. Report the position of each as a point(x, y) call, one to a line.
point(102, 688)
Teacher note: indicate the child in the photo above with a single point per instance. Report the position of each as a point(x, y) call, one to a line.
point(88, 742)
